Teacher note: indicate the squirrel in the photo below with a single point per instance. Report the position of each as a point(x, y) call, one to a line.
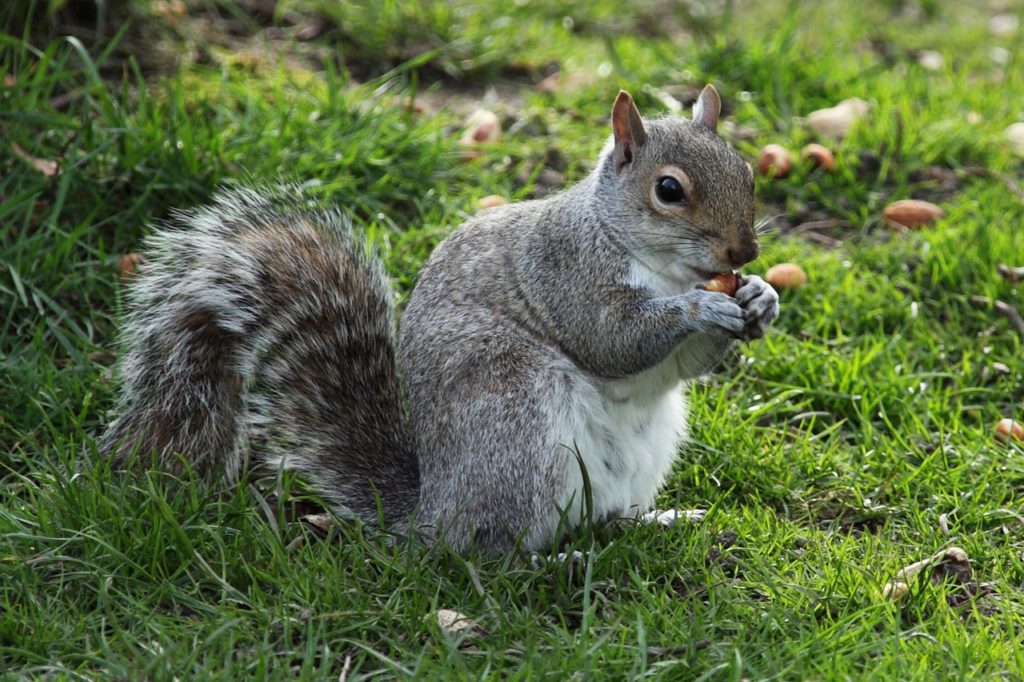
point(541, 361)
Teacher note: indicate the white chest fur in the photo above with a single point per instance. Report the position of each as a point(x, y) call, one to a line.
point(627, 433)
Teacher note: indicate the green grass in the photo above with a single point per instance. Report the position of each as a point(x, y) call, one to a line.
point(826, 452)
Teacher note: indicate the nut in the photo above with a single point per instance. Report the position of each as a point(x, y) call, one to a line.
point(774, 161)
point(492, 200)
point(820, 156)
point(724, 282)
point(912, 213)
point(482, 127)
point(786, 276)
point(1007, 429)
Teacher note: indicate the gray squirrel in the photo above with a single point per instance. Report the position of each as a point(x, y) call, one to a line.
point(546, 343)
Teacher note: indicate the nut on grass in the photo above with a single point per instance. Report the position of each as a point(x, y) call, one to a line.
point(775, 161)
point(819, 155)
point(1008, 429)
point(724, 282)
point(492, 200)
point(786, 276)
point(482, 128)
point(912, 213)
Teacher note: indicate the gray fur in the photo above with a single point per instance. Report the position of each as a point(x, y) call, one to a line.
point(538, 333)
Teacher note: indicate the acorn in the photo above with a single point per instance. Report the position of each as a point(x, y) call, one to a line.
point(820, 156)
point(775, 161)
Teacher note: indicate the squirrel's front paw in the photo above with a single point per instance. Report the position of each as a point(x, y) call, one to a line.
point(761, 303)
point(716, 313)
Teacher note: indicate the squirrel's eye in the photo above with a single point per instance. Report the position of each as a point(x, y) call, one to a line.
point(669, 190)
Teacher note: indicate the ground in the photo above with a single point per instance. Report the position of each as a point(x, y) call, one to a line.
point(854, 440)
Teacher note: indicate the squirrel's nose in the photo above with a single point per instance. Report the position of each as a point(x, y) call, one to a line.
point(742, 253)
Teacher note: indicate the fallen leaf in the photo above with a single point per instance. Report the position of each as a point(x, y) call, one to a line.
point(321, 522)
point(45, 166)
point(129, 265)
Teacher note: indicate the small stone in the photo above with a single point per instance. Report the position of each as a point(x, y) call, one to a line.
point(1014, 135)
point(1003, 25)
point(931, 60)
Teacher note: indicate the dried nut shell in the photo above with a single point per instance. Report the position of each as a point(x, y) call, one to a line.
point(492, 200)
point(895, 590)
point(455, 624)
point(912, 213)
point(786, 276)
point(724, 282)
point(820, 155)
point(774, 161)
point(1010, 429)
point(952, 563)
point(836, 121)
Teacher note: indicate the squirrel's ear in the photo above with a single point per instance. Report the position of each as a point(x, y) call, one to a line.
point(707, 108)
point(628, 128)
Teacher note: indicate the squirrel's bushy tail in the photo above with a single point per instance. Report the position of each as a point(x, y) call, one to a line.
point(261, 332)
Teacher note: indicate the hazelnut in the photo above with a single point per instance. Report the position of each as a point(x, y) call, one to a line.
point(786, 276)
point(724, 282)
point(912, 213)
point(774, 161)
point(820, 156)
point(1008, 429)
point(492, 200)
